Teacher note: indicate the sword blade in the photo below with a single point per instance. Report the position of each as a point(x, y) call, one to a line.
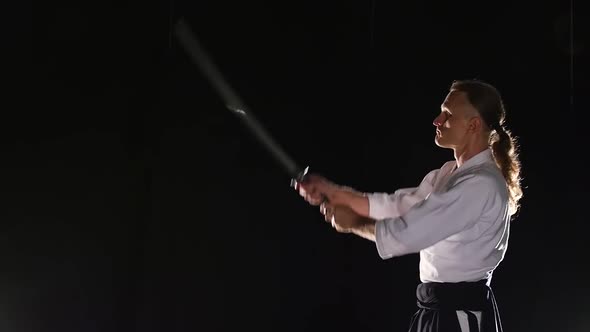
point(232, 100)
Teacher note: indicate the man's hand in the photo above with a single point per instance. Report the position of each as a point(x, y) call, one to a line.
point(346, 220)
point(342, 218)
point(316, 189)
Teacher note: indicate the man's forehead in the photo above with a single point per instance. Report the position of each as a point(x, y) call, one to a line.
point(453, 97)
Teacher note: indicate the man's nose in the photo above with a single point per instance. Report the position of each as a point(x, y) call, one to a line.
point(439, 120)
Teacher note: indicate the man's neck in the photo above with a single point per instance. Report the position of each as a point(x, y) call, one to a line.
point(462, 155)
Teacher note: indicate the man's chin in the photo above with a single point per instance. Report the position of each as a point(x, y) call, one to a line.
point(440, 142)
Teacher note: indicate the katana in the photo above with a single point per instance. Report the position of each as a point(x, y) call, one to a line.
point(233, 101)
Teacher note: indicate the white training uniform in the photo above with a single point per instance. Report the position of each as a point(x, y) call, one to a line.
point(457, 219)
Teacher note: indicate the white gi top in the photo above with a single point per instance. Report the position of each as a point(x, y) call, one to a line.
point(457, 218)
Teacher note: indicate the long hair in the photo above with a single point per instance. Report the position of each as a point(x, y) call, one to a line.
point(488, 102)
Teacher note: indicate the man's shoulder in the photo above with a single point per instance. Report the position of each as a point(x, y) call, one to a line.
point(445, 168)
point(442, 171)
point(448, 165)
point(486, 174)
point(489, 171)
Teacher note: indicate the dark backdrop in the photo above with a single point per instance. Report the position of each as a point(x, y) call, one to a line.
point(134, 201)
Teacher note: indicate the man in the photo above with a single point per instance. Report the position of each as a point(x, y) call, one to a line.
point(457, 218)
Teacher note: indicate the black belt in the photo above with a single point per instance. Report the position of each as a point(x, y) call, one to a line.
point(438, 303)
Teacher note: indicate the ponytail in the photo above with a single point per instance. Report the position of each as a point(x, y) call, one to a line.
point(505, 151)
point(488, 102)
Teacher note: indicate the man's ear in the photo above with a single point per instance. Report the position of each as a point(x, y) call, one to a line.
point(475, 124)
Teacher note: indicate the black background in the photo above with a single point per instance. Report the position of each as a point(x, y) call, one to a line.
point(134, 201)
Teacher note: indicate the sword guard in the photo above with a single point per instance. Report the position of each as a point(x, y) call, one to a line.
point(300, 177)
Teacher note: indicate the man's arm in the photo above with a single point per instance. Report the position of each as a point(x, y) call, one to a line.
point(317, 189)
point(365, 229)
point(355, 200)
point(346, 220)
point(441, 215)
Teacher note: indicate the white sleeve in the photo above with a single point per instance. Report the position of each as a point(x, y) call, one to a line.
point(384, 205)
point(439, 216)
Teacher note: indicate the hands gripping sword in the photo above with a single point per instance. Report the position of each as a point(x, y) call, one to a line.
point(234, 103)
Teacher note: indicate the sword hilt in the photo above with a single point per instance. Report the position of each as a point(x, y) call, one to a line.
point(300, 178)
